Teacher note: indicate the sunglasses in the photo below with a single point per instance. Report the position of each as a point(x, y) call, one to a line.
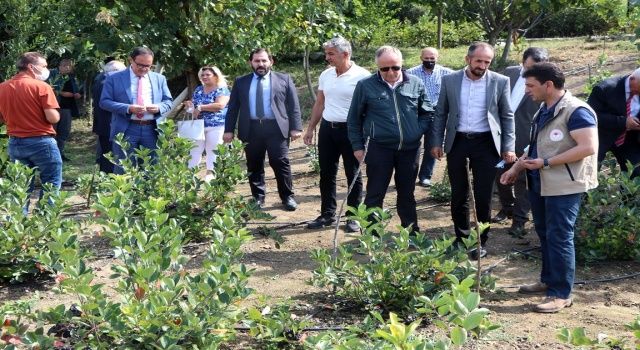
point(386, 69)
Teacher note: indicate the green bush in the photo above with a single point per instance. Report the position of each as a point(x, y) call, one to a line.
point(157, 303)
point(25, 239)
point(578, 337)
point(455, 311)
point(391, 272)
point(191, 201)
point(608, 225)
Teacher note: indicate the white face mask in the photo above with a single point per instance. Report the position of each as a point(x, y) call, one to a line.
point(42, 75)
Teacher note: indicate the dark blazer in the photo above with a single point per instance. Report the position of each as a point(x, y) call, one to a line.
point(116, 97)
point(284, 103)
point(101, 118)
point(608, 100)
point(522, 113)
point(499, 112)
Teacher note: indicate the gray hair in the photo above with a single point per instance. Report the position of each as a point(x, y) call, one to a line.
point(388, 49)
point(636, 74)
point(339, 43)
point(114, 66)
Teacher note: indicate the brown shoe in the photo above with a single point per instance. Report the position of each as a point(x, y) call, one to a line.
point(535, 288)
point(552, 304)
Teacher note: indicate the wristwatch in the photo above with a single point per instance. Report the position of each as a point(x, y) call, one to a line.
point(199, 108)
point(545, 164)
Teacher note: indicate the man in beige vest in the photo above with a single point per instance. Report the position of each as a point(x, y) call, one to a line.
point(561, 165)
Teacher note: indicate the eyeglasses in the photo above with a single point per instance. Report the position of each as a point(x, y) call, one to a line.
point(142, 65)
point(386, 69)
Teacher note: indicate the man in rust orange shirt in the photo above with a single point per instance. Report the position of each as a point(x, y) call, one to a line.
point(29, 107)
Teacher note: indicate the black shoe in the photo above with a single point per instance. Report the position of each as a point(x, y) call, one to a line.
point(473, 253)
point(320, 222)
point(290, 204)
point(502, 215)
point(352, 226)
point(65, 158)
point(517, 229)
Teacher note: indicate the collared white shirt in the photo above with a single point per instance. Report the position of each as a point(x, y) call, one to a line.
point(266, 96)
point(432, 81)
point(338, 91)
point(635, 102)
point(473, 104)
point(147, 96)
point(395, 84)
point(517, 93)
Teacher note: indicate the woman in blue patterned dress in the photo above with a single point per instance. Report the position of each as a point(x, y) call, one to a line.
point(209, 102)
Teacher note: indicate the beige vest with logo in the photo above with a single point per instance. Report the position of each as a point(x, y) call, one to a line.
point(554, 138)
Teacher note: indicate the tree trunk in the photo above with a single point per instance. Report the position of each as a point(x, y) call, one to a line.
point(507, 47)
point(440, 28)
point(307, 73)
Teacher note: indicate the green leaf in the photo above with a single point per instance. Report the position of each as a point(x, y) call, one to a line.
point(458, 336)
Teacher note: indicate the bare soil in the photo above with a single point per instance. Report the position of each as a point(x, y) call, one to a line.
point(283, 272)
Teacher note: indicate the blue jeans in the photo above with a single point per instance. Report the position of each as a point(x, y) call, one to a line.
point(39, 152)
point(137, 136)
point(554, 218)
point(428, 162)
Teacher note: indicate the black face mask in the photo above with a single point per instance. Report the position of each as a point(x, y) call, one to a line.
point(428, 64)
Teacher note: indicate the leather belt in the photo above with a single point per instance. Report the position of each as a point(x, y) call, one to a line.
point(262, 120)
point(141, 122)
point(335, 125)
point(473, 135)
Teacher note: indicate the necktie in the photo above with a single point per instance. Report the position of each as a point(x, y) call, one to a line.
point(620, 139)
point(259, 99)
point(139, 100)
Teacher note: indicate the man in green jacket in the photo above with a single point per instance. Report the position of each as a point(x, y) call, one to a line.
point(391, 109)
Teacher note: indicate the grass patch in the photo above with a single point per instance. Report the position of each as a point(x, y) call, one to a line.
point(81, 149)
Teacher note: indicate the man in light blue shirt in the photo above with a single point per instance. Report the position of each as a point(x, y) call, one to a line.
point(431, 75)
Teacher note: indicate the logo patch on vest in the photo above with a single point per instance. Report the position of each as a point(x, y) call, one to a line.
point(556, 135)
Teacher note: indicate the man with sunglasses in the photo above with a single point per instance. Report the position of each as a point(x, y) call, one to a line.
point(136, 98)
point(391, 109)
point(474, 122)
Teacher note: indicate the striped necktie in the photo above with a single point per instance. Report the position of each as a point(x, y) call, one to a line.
point(620, 139)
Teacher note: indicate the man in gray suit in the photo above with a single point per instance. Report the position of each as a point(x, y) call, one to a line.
point(474, 111)
point(264, 105)
point(514, 200)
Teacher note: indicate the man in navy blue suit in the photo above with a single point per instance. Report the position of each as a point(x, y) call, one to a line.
point(264, 106)
point(617, 105)
point(136, 98)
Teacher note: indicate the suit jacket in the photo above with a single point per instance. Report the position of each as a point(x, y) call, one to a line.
point(101, 118)
point(522, 113)
point(499, 114)
point(609, 100)
point(116, 97)
point(284, 103)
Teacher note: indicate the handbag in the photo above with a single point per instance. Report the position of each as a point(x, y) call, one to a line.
point(191, 129)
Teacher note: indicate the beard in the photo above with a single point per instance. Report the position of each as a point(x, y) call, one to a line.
point(477, 72)
point(262, 71)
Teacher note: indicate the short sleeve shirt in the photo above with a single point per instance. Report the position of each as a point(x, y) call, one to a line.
point(23, 100)
point(338, 91)
point(211, 119)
